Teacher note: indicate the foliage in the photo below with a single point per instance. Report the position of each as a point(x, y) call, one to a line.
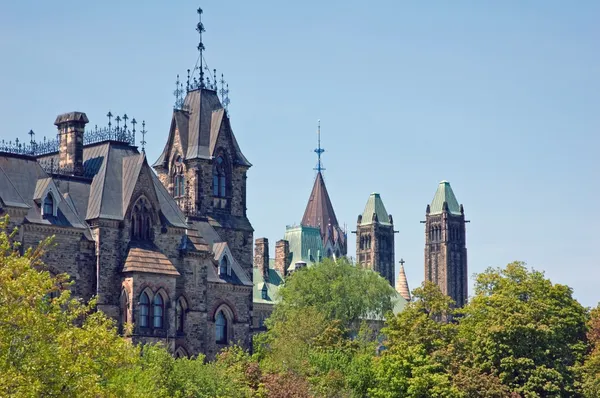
point(340, 290)
point(520, 336)
point(51, 346)
point(591, 367)
point(524, 330)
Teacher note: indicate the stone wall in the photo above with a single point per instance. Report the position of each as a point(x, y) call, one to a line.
point(238, 299)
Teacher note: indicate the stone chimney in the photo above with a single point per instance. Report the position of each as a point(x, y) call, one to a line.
point(261, 255)
point(282, 252)
point(70, 135)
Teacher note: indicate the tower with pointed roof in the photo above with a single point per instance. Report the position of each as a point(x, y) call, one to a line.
point(202, 165)
point(445, 244)
point(319, 214)
point(375, 238)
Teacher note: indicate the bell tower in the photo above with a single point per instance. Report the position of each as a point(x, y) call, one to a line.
point(445, 244)
point(375, 238)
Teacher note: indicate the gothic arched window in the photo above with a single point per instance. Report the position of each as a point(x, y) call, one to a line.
point(158, 311)
point(219, 177)
point(141, 220)
point(221, 328)
point(48, 209)
point(180, 309)
point(265, 292)
point(144, 310)
point(178, 179)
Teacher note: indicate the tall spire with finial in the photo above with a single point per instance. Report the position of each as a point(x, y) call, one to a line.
point(319, 151)
point(200, 29)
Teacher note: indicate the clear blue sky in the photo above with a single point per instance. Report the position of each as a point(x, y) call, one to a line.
point(502, 100)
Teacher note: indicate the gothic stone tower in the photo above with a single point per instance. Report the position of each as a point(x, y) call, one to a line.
point(445, 244)
point(204, 169)
point(375, 238)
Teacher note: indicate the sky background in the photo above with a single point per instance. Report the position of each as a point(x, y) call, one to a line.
point(500, 98)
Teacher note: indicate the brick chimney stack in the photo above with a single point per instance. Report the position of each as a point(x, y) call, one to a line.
point(261, 255)
point(282, 252)
point(70, 135)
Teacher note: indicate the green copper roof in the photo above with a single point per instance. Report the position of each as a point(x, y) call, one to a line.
point(375, 206)
point(305, 244)
point(275, 279)
point(444, 194)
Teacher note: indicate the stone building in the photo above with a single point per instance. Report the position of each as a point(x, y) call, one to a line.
point(179, 278)
point(445, 244)
point(375, 238)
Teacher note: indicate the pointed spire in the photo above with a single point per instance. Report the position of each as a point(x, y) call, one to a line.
point(319, 151)
point(402, 282)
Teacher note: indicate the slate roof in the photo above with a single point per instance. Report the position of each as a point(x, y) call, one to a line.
point(145, 257)
point(113, 169)
point(23, 182)
point(199, 126)
point(375, 206)
point(443, 194)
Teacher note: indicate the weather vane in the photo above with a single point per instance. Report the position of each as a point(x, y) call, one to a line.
point(319, 151)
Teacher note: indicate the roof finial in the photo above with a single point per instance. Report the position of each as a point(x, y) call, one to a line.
point(319, 150)
point(143, 142)
point(224, 94)
point(133, 122)
point(178, 94)
point(402, 262)
point(200, 29)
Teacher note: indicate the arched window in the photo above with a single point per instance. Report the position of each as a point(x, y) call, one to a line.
point(48, 209)
point(221, 328)
point(124, 307)
point(141, 220)
point(158, 311)
point(219, 177)
point(144, 310)
point(178, 178)
point(180, 314)
point(223, 266)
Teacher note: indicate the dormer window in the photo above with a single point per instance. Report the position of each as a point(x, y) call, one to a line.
point(48, 209)
point(224, 266)
point(265, 293)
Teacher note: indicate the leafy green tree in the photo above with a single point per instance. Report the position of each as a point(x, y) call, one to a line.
point(591, 367)
point(50, 343)
point(524, 330)
point(415, 361)
point(340, 290)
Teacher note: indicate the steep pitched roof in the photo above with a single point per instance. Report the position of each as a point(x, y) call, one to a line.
point(375, 206)
point(443, 194)
point(402, 283)
point(199, 125)
point(319, 210)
